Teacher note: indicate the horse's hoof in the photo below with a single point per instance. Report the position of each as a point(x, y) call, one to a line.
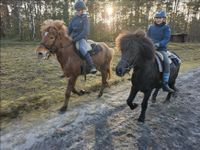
point(133, 106)
point(62, 76)
point(100, 94)
point(62, 110)
point(82, 92)
point(140, 119)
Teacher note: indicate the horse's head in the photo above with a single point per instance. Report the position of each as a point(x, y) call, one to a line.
point(128, 51)
point(135, 48)
point(53, 32)
point(42, 52)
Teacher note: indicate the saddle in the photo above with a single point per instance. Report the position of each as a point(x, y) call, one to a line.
point(171, 56)
point(93, 48)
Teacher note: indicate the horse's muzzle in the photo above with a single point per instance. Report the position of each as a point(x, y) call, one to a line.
point(43, 55)
point(120, 71)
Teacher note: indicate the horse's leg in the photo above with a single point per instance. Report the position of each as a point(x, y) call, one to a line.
point(144, 105)
point(131, 97)
point(70, 87)
point(175, 90)
point(104, 84)
point(155, 93)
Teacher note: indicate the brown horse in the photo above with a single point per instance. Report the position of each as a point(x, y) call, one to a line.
point(55, 40)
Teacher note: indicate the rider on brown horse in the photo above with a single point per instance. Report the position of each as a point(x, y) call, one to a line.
point(78, 29)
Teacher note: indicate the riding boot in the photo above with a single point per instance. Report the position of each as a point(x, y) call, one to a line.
point(89, 60)
point(165, 85)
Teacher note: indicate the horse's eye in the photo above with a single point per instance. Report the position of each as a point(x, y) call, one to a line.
point(51, 37)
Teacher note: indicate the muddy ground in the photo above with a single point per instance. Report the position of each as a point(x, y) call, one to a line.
point(108, 123)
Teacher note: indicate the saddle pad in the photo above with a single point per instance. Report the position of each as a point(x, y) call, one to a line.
point(158, 54)
point(159, 63)
point(88, 46)
point(171, 56)
point(91, 46)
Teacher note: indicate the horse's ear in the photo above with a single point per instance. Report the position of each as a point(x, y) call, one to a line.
point(60, 24)
point(118, 41)
point(140, 33)
point(46, 25)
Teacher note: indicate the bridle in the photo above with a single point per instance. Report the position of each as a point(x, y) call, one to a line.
point(128, 64)
point(53, 48)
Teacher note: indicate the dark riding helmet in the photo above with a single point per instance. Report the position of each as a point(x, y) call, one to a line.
point(80, 5)
point(160, 14)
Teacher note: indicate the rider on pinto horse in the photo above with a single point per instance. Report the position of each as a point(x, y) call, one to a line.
point(78, 29)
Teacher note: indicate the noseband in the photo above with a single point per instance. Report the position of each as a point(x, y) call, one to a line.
point(51, 49)
point(129, 65)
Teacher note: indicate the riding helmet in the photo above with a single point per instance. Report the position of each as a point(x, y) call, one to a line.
point(80, 5)
point(160, 14)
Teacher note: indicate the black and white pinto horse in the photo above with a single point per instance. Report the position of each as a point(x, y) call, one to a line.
point(138, 52)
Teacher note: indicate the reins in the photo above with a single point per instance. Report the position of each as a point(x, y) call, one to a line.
point(53, 49)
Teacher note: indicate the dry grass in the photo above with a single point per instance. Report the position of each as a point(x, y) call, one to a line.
point(28, 85)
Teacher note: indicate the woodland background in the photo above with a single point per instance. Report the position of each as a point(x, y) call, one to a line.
point(21, 19)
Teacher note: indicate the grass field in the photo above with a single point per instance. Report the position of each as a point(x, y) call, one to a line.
point(28, 84)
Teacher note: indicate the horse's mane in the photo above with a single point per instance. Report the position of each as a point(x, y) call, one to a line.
point(58, 25)
point(137, 42)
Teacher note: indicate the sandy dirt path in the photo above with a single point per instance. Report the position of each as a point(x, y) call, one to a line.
point(108, 123)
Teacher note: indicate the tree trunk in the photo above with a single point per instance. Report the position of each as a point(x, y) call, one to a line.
point(66, 11)
point(31, 20)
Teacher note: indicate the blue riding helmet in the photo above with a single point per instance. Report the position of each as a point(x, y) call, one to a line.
point(160, 14)
point(80, 5)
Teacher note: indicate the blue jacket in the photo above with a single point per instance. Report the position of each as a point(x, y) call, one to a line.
point(79, 27)
point(160, 34)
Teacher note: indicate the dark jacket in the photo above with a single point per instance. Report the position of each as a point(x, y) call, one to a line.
point(160, 34)
point(79, 27)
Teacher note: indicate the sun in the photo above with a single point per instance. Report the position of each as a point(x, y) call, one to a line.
point(109, 10)
point(109, 18)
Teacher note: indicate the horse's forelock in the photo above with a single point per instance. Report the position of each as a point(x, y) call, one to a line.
point(136, 43)
point(125, 41)
point(57, 25)
point(45, 25)
point(140, 33)
point(121, 38)
point(60, 24)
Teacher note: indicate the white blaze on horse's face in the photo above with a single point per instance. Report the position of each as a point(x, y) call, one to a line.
point(46, 33)
point(42, 52)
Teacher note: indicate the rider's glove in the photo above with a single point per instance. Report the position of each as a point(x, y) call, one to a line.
point(157, 45)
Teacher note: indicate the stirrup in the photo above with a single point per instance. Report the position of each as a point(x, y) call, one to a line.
point(93, 70)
